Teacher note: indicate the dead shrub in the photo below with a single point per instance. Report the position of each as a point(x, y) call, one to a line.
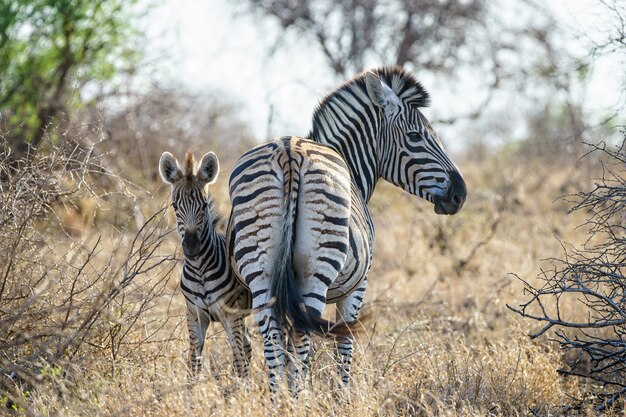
point(65, 300)
point(582, 296)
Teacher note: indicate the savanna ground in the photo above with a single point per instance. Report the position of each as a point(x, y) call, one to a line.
point(440, 339)
point(92, 322)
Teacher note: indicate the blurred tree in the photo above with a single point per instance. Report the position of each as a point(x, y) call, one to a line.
point(497, 41)
point(49, 51)
point(561, 127)
point(555, 132)
point(173, 119)
point(611, 42)
point(429, 34)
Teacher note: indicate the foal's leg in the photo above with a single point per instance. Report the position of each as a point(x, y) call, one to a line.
point(239, 341)
point(197, 324)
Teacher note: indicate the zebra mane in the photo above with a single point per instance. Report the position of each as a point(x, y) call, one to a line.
point(403, 83)
point(190, 163)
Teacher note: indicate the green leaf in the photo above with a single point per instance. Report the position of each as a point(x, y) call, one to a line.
point(48, 47)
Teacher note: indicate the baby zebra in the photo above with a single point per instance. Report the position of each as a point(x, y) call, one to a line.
point(210, 288)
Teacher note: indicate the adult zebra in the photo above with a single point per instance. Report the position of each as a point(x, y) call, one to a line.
point(211, 290)
point(300, 234)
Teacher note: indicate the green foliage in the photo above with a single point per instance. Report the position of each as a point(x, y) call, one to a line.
point(52, 372)
point(50, 49)
point(583, 70)
point(6, 403)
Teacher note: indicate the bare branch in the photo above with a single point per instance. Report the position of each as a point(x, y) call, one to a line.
point(583, 296)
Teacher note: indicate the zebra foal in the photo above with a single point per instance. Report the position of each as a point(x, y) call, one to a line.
point(300, 235)
point(211, 291)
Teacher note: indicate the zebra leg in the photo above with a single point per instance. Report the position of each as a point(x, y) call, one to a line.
point(348, 310)
point(299, 357)
point(273, 337)
point(273, 346)
point(239, 341)
point(197, 324)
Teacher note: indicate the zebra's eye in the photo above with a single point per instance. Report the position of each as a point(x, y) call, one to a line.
point(174, 206)
point(413, 135)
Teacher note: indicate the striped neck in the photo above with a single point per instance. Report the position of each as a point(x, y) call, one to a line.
point(348, 122)
point(211, 240)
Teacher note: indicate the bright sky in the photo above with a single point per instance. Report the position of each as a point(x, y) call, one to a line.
point(212, 49)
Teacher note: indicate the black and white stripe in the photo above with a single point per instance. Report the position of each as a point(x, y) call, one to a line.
point(211, 290)
point(300, 234)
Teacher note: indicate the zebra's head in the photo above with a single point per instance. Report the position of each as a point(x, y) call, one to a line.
point(410, 154)
point(193, 206)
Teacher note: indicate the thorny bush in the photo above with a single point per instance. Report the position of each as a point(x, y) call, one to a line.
point(583, 296)
point(65, 298)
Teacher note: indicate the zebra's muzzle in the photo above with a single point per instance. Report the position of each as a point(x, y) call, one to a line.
point(453, 200)
point(191, 244)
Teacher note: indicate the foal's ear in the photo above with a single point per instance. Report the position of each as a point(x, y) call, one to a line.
point(381, 94)
point(208, 169)
point(169, 169)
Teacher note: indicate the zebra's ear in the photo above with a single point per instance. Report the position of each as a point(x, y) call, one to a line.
point(169, 169)
point(381, 94)
point(208, 169)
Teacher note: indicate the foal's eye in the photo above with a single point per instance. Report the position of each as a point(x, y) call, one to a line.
point(413, 135)
point(174, 206)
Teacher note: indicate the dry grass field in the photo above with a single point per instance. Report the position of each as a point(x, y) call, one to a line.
point(92, 320)
point(440, 339)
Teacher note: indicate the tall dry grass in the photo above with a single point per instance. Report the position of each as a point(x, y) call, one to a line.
point(440, 342)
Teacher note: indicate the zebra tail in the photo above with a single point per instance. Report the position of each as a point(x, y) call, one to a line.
point(289, 308)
